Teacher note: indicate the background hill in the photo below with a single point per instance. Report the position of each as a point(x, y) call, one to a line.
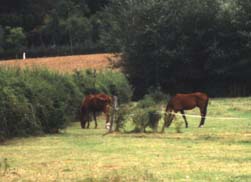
point(67, 64)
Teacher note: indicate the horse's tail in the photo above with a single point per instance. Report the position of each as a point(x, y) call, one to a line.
point(206, 105)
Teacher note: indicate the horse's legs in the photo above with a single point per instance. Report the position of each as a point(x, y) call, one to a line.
point(82, 119)
point(184, 117)
point(203, 113)
point(88, 121)
point(82, 123)
point(203, 118)
point(94, 117)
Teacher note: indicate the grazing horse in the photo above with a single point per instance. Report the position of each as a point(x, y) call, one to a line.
point(94, 103)
point(181, 102)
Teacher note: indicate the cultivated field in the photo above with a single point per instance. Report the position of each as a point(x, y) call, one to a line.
point(66, 63)
point(218, 152)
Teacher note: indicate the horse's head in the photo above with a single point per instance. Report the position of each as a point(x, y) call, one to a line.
point(168, 118)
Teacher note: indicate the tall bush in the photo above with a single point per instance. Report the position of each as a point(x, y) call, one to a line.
point(40, 101)
point(109, 82)
point(36, 101)
point(147, 114)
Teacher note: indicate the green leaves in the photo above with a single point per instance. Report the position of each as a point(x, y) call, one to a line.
point(15, 38)
point(179, 45)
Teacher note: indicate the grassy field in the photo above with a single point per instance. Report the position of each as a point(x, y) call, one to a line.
point(221, 151)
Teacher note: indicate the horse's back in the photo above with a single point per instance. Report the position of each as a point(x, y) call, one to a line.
point(195, 95)
point(96, 102)
point(202, 99)
point(103, 97)
point(187, 101)
point(86, 100)
point(201, 95)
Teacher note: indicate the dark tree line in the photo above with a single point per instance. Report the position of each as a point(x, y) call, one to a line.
point(179, 46)
point(183, 46)
point(44, 27)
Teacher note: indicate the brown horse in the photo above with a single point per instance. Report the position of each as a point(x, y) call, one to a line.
point(94, 103)
point(181, 102)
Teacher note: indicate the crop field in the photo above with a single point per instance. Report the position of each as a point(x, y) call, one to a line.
point(218, 152)
point(65, 63)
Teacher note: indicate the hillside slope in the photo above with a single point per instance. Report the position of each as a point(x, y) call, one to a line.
point(65, 63)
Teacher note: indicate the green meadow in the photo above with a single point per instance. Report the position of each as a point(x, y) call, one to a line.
point(221, 151)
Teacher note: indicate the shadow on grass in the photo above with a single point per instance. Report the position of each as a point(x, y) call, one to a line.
point(245, 142)
point(241, 178)
point(133, 174)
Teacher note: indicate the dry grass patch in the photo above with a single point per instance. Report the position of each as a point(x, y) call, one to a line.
point(66, 63)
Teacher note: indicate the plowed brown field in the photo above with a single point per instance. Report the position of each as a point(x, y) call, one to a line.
point(66, 63)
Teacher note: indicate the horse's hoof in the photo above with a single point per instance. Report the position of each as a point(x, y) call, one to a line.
point(201, 126)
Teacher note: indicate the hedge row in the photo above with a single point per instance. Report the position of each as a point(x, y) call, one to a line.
point(40, 101)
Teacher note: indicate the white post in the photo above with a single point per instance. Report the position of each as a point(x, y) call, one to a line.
point(24, 55)
point(114, 109)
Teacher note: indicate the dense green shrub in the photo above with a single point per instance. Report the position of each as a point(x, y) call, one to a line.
point(147, 113)
point(109, 82)
point(143, 118)
point(40, 101)
point(36, 101)
point(122, 115)
point(154, 117)
point(157, 95)
point(17, 116)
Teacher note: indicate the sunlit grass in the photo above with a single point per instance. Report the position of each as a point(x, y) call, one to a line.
point(218, 152)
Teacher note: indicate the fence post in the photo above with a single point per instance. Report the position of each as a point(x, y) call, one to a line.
point(24, 55)
point(94, 78)
point(114, 108)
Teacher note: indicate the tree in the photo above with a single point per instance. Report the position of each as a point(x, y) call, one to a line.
point(53, 25)
point(179, 45)
point(50, 30)
point(78, 29)
point(15, 39)
point(1, 38)
point(96, 5)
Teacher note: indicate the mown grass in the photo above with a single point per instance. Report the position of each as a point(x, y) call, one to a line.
point(218, 152)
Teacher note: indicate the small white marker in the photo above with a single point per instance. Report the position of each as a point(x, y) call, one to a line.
point(24, 55)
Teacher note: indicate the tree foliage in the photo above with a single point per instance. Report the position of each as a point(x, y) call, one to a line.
point(181, 46)
point(15, 38)
point(52, 24)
